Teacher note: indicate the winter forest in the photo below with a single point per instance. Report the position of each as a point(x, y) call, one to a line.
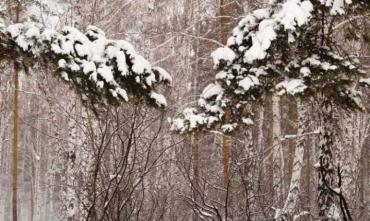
point(193, 110)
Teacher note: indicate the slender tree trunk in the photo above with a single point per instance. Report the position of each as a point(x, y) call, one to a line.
point(32, 192)
point(294, 189)
point(277, 151)
point(196, 175)
point(269, 185)
point(194, 14)
point(225, 146)
point(307, 179)
point(225, 141)
point(325, 167)
point(291, 127)
point(249, 177)
point(347, 155)
point(8, 196)
point(15, 142)
point(261, 118)
point(364, 180)
point(70, 191)
point(15, 128)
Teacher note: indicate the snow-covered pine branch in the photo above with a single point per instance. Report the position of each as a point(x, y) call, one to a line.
point(277, 50)
point(102, 71)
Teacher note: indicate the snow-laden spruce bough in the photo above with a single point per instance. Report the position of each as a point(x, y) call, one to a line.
point(285, 49)
point(102, 71)
point(276, 50)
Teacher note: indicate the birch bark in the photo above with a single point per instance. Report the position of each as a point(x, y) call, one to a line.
point(277, 151)
point(291, 201)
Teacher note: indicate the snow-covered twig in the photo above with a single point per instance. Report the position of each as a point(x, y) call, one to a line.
point(294, 136)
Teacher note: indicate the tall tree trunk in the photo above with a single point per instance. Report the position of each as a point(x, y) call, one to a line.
point(70, 173)
point(69, 197)
point(307, 179)
point(15, 142)
point(277, 151)
point(325, 167)
point(248, 176)
point(268, 162)
point(193, 7)
point(364, 180)
point(294, 188)
point(225, 141)
point(32, 192)
point(195, 166)
point(15, 128)
point(260, 142)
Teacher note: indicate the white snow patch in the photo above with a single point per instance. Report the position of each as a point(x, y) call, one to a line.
point(249, 82)
point(223, 54)
point(247, 121)
point(305, 71)
point(140, 65)
point(365, 81)
point(163, 74)
point(159, 99)
point(291, 86)
point(106, 73)
point(294, 13)
point(227, 128)
point(212, 90)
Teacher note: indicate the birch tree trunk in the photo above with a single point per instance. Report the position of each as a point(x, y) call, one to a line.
point(69, 193)
point(277, 151)
point(248, 177)
point(196, 175)
point(15, 142)
point(294, 189)
point(4, 157)
point(15, 128)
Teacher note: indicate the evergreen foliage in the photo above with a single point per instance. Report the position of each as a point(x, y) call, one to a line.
point(285, 49)
point(104, 72)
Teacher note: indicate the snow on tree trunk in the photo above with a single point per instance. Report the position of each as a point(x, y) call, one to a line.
point(346, 151)
point(261, 145)
point(261, 118)
point(355, 129)
point(15, 143)
point(325, 167)
point(69, 192)
point(250, 188)
point(196, 175)
point(294, 189)
point(277, 151)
